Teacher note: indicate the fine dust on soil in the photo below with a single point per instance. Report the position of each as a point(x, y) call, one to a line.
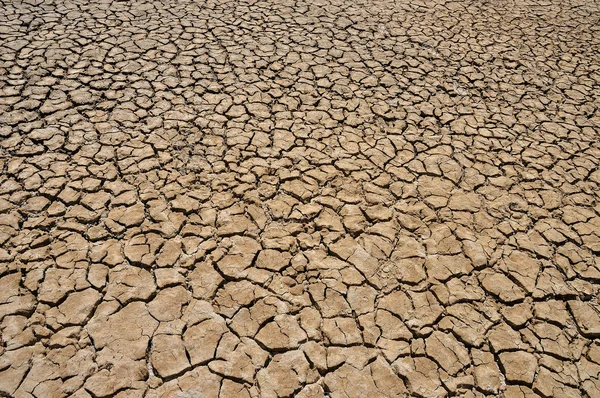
point(299, 199)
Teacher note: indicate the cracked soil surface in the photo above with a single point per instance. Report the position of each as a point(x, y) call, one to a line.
point(299, 199)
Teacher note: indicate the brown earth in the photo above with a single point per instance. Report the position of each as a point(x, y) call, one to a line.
point(299, 199)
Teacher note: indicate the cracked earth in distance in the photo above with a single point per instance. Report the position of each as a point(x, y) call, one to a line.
point(322, 198)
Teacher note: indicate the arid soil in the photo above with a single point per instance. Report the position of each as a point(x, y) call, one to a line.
point(318, 198)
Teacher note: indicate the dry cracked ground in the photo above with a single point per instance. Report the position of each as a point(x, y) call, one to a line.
point(323, 198)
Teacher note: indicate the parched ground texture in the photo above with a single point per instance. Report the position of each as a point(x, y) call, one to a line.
point(299, 199)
